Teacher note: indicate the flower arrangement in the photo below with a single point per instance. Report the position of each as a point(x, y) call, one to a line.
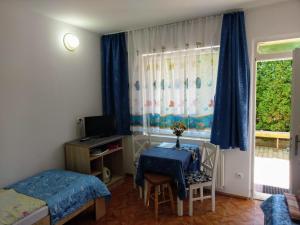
point(178, 128)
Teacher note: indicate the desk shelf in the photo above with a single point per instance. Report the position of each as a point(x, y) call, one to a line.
point(109, 151)
point(78, 157)
point(96, 173)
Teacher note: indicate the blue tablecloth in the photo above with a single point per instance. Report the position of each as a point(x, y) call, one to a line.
point(170, 162)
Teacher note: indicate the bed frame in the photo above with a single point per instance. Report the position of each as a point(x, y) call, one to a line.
point(99, 206)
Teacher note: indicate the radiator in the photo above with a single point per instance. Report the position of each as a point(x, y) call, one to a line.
point(220, 181)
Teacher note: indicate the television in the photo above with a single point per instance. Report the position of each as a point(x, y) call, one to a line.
point(99, 126)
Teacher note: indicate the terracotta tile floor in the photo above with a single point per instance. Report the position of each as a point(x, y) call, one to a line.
point(268, 152)
point(125, 208)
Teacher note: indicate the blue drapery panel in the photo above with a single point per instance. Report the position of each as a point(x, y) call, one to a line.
point(231, 114)
point(115, 84)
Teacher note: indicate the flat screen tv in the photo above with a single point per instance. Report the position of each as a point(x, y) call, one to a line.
point(99, 126)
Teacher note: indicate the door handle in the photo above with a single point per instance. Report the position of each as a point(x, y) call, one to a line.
point(296, 144)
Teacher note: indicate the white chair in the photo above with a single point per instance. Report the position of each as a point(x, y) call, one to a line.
point(205, 178)
point(140, 142)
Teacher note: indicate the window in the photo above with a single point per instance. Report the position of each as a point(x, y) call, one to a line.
point(177, 86)
point(279, 46)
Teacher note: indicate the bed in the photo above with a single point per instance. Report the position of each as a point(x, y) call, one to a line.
point(22, 208)
point(65, 193)
point(38, 217)
point(276, 211)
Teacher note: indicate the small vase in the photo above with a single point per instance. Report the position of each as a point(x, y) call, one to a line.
point(177, 143)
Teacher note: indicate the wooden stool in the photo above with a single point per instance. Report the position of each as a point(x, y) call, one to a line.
point(156, 181)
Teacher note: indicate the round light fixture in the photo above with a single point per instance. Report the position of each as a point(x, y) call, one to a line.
point(71, 42)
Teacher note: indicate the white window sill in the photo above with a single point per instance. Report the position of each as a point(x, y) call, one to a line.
point(181, 138)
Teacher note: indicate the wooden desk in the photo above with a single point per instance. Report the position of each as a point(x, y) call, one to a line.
point(78, 157)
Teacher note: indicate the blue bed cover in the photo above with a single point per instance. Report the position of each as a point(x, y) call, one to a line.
point(63, 191)
point(276, 211)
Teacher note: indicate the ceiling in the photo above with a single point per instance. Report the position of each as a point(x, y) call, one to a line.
point(108, 16)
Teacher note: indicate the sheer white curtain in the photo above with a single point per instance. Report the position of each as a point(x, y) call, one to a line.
point(172, 73)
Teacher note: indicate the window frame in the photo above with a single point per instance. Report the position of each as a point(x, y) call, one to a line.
point(252, 117)
point(273, 56)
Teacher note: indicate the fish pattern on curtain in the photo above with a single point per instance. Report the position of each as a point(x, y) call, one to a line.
point(175, 86)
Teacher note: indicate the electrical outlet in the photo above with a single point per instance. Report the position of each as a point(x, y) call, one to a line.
point(239, 175)
point(79, 120)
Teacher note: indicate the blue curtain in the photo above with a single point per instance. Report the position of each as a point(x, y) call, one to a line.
point(231, 114)
point(115, 84)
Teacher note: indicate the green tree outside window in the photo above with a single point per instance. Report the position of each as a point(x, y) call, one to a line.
point(273, 95)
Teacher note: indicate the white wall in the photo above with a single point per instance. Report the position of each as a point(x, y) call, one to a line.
point(43, 88)
point(277, 21)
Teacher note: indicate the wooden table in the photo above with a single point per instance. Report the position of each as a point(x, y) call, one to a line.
point(170, 162)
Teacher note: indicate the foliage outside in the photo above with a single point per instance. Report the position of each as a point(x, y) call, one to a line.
point(273, 95)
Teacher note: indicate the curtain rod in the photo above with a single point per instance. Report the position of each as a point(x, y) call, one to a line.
point(164, 24)
point(227, 11)
point(233, 10)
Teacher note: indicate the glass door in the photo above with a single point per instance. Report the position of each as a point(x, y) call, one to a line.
point(274, 69)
